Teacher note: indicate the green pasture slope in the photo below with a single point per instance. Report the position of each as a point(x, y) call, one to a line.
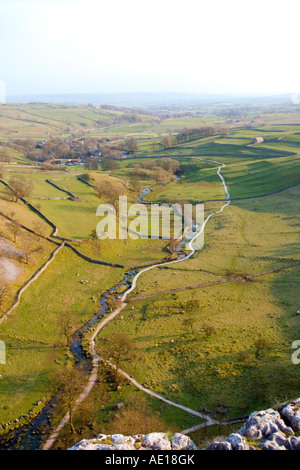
point(216, 359)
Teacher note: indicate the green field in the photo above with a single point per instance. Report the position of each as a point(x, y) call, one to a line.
point(196, 356)
point(182, 364)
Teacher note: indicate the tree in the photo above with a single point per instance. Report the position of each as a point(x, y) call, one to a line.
point(119, 347)
point(5, 155)
point(29, 249)
point(2, 171)
point(70, 383)
point(3, 292)
point(20, 188)
point(15, 230)
point(160, 175)
point(166, 142)
point(110, 191)
point(95, 241)
point(136, 417)
point(131, 144)
point(208, 330)
point(189, 323)
point(65, 322)
point(260, 344)
point(39, 228)
point(192, 305)
point(91, 163)
point(110, 165)
point(136, 186)
point(244, 357)
point(170, 165)
point(224, 132)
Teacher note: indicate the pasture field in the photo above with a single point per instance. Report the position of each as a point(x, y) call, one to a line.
point(197, 347)
point(33, 340)
point(249, 237)
point(175, 124)
point(36, 121)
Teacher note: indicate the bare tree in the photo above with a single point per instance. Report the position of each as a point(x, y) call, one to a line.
point(119, 347)
point(189, 323)
point(20, 188)
point(3, 292)
point(65, 322)
point(136, 186)
point(29, 249)
point(192, 305)
point(15, 230)
point(208, 330)
point(166, 142)
point(260, 345)
point(131, 144)
point(110, 191)
point(70, 383)
point(5, 155)
point(110, 165)
point(92, 163)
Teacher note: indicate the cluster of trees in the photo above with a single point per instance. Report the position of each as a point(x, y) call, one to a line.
point(21, 145)
point(160, 171)
point(186, 135)
point(110, 191)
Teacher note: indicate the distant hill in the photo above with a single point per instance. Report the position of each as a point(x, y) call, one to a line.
point(150, 99)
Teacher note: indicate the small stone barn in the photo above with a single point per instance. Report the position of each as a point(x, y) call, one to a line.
point(257, 140)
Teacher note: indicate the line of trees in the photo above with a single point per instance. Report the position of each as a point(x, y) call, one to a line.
point(186, 135)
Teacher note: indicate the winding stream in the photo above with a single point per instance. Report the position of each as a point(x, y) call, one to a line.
point(28, 437)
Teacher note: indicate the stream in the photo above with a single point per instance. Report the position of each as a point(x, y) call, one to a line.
point(32, 436)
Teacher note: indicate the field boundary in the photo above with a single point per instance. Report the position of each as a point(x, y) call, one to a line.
point(244, 278)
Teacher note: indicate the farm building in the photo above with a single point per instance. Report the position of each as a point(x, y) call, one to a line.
point(258, 140)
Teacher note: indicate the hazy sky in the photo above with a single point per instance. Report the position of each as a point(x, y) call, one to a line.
point(90, 46)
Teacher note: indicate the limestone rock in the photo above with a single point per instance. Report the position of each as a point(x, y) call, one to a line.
point(291, 413)
point(152, 441)
point(156, 441)
point(262, 424)
point(237, 442)
point(219, 445)
point(182, 442)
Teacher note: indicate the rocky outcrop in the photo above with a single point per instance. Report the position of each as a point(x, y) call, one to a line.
point(291, 413)
point(152, 441)
point(262, 424)
point(264, 430)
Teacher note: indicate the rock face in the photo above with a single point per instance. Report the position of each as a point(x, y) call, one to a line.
point(152, 441)
point(263, 424)
point(265, 430)
point(291, 413)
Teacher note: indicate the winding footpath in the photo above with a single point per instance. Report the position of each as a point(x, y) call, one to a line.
point(96, 359)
